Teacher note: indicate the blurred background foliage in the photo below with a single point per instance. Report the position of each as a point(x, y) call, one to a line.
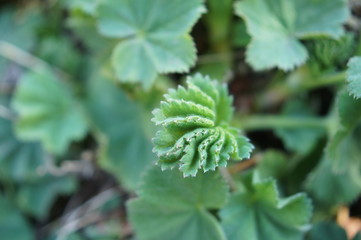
point(75, 141)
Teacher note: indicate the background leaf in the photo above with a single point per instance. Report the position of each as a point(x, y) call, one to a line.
point(354, 77)
point(273, 164)
point(155, 34)
point(12, 223)
point(323, 182)
point(171, 207)
point(19, 161)
point(122, 124)
point(327, 230)
point(48, 112)
point(259, 214)
point(37, 197)
point(300, 140)
point(275, 27)
point(15, 26)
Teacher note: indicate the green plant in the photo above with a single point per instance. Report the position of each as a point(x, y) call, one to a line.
point(195, 128)
point(180, 119)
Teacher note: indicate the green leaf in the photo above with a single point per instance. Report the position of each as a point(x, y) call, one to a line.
point(85, 28)
point(259, 214)
point(155, 36)
point(86, 6)
point(47, 112)
point(19, 161)
point(16, 26)
point(49, 49)
point(277, 25)
point(122, 125)
point(323, 183)
point(240, 36)
point(327, 230)
point(19, 29)
point(272, 164)
point(195, 128)
point(171, 207)
point(37, 197)
point(358, 236)
point(348, 110)
point(344, 149)
point(300, 140)
point(330, 53)
point(340, 168)
point(215, 70)
point(354, 77)
point(12, 224)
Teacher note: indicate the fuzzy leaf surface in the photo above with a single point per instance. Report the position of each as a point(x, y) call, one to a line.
point(258, 213)
point(195, 128)
point(155, 36)
point(47, 112)
point(326, 53)
point(171, 207)
point(276, 27)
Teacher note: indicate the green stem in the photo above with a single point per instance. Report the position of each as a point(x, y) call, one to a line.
point(282, 90)
point(263, 122)
point(325, 80)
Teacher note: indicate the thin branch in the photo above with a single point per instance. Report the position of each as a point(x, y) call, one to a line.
point(82, 215)
point(83, 166)
point(228, 178)
point(241, 166)
point(27, 60)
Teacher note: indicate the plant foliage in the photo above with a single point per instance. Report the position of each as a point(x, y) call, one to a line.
point(195, 130)
point(276, 27)
point(180, 205)
point(180, 120)
point(48, 112)
point(155, 36)
point(258, 213)
point(353, 77)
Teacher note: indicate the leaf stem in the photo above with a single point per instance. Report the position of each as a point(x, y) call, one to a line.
point(325, 80)
point(228, 178)
point(262, 122)
point(285, 88)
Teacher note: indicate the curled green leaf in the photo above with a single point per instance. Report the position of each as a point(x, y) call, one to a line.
point(195, 132)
